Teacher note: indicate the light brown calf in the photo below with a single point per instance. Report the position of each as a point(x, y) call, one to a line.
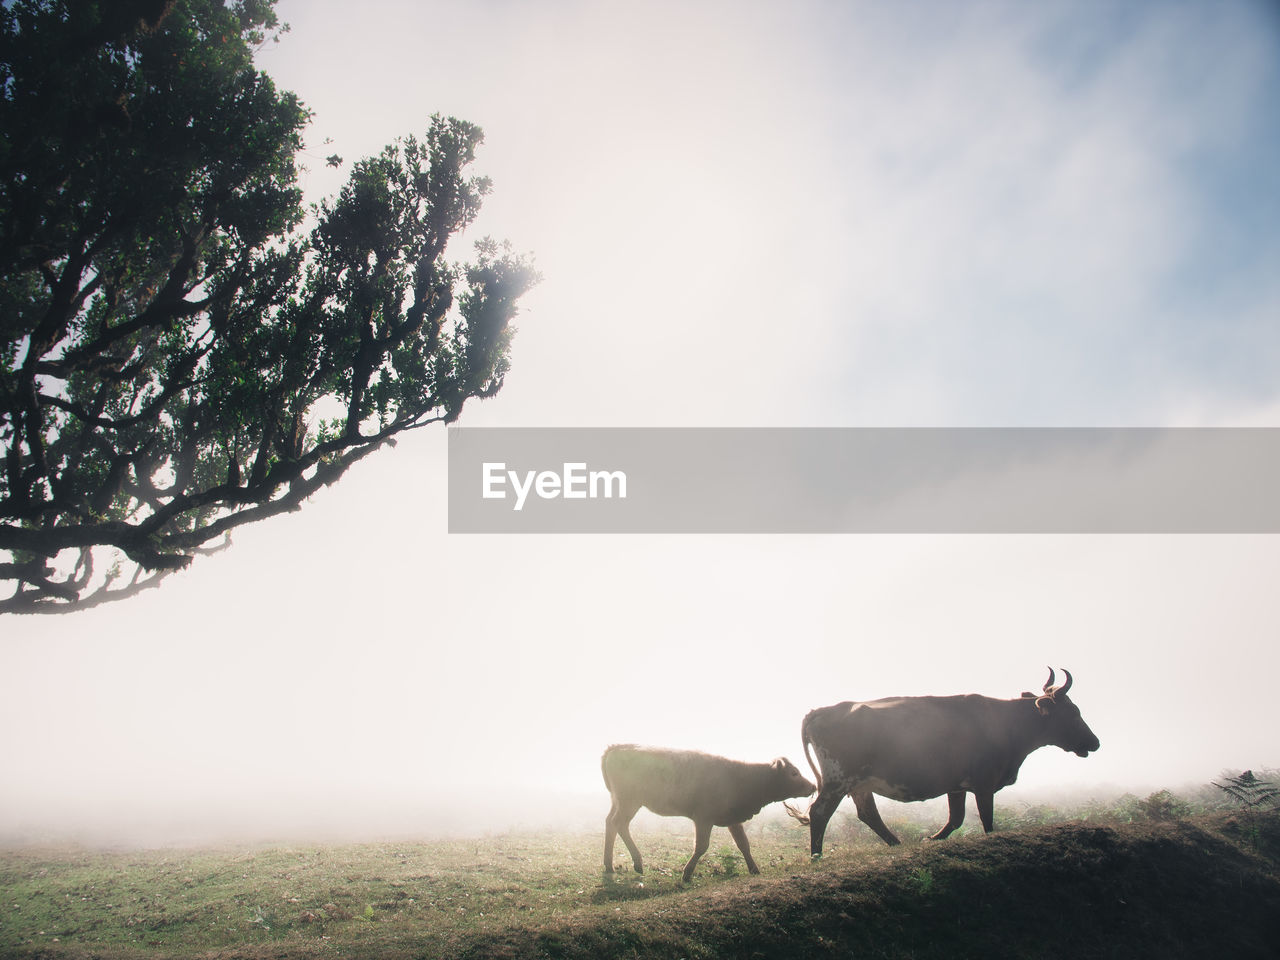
point(709, 790)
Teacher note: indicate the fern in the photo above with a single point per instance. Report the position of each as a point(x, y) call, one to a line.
point(1250, 792)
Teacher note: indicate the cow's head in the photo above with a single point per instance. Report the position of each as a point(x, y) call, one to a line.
point(790, 780)
point(1065, 727)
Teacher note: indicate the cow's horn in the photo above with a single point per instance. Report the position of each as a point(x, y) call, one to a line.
point(1049, 683)
point(1066, 686)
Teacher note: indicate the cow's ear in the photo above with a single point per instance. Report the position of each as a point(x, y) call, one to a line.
point(779, 763)
point(1044, 705)
point(1027, 693)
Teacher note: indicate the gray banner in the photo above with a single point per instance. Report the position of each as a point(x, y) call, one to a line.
point(837, 480)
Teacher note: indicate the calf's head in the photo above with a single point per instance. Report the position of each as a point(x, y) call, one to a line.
point(789, 781)
point(1065, 727)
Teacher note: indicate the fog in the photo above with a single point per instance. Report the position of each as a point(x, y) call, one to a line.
point(870, 214)
point(280, 691)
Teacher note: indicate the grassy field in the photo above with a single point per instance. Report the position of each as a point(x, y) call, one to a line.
point(1199, 886)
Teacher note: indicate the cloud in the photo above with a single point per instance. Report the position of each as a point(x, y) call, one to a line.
point(1038, 221)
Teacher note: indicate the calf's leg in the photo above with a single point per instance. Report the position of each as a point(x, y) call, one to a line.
point(610, 832)
point(955, 810)
point(740, 838)
point(702, 840)
point(865, 801)
point(619, 822)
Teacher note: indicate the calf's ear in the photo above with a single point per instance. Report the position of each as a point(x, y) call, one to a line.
point(779, 763)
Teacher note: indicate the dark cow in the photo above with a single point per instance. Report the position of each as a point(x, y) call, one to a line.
point(916, 748)
point(709, 790)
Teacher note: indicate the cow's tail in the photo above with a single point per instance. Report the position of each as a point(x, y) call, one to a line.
point(807, 739)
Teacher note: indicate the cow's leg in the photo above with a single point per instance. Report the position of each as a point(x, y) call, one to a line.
point(619, 822)
point(820, 813)
point(702, 840)
point(986, 809)
point(740, 838)
point(865, 801)
point(955, 805)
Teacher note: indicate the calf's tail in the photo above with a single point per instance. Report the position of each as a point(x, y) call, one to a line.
point(604, 770)
point(817, 774)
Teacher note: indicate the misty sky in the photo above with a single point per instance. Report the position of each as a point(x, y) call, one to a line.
point(746, 214)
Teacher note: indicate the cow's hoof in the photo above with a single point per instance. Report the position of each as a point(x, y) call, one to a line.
point(815, 857)
point(753, 869)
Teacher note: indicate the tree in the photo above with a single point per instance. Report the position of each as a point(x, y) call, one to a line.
point(182, 350)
